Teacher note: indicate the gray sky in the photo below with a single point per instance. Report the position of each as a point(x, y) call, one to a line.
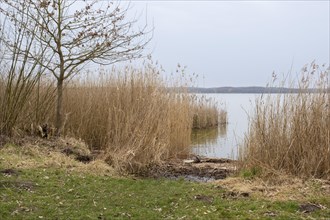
point(238, 43)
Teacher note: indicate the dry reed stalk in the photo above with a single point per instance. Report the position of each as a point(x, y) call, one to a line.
point(131, 116)
point(291, 133)
point(206, 113)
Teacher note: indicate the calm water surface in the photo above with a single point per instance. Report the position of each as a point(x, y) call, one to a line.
point(224, 141)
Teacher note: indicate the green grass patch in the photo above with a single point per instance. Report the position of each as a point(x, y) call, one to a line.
point(58, 194)
point(250, 173)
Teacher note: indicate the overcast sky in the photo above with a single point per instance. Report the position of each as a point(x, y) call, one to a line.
point(237, 43)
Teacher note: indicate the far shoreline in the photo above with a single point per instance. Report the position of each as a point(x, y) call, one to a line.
point(253, 90)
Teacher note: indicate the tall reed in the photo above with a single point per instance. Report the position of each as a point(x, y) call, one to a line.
point(130, 115)
point(206, 113)
point(127, 113)
point(291, 133)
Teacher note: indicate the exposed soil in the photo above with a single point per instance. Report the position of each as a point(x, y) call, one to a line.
point(9, 172)
point(306, 208)
point(25, 185)
point(196, 169)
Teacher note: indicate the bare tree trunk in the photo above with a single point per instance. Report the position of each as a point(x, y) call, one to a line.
point(59, 107)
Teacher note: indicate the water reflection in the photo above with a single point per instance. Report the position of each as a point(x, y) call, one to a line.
point(205, 137)
point(224, 141)
point(206, 142)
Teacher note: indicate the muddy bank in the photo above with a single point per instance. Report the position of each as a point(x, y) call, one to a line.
point(193, 169)
point(59, 151)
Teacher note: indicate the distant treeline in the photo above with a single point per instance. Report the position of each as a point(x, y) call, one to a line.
point(252, 89)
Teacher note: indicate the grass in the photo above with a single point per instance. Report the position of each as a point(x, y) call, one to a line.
point(290, 133)
point(57, 194)
point(40, 189)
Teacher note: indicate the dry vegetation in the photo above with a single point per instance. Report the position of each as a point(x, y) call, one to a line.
point(291, 133)
point(128, 114)
point(33, 153)
point(207, 114)
point(284, 188)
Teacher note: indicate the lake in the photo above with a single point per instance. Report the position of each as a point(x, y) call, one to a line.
point(223, 142)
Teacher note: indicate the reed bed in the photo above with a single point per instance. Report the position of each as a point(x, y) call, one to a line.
point(206, 113)
point(290, 133)
point(133, 117)
point(130, 115)
point(127, 113)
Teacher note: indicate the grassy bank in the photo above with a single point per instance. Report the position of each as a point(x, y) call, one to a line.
point(57, 187)
point(52, 194)
point(290, 133)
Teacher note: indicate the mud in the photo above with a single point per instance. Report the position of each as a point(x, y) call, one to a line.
point(197, 170)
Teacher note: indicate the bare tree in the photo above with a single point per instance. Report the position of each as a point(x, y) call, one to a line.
point(73, 34)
